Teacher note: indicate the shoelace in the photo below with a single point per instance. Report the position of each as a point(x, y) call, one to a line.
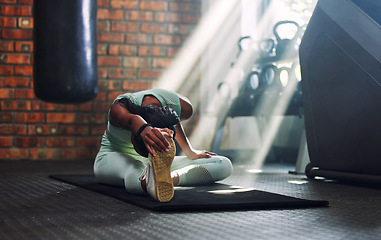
point(145, 172)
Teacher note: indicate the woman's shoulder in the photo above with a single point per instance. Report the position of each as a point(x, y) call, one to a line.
point(131, 96)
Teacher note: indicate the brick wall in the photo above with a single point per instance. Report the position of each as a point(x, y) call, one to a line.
point(137, 39)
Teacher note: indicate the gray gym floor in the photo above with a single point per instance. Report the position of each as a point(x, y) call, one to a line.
point(33, 206)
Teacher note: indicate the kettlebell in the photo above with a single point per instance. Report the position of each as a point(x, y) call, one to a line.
point(266, 47)
point(243, 43)
point(286, 47)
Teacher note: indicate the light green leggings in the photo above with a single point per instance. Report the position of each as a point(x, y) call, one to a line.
point(120, 169)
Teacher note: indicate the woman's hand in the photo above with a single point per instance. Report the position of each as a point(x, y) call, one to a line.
point(195, 154)
point(153, 138)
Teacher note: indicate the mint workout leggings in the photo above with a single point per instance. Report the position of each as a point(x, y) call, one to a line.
point(120, 169)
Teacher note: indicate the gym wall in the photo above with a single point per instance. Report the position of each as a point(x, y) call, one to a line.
point(137, 40)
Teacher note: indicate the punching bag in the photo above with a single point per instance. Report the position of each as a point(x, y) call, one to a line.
point(65, 50)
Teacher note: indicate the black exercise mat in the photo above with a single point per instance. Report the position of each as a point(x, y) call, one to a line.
point(211, 197)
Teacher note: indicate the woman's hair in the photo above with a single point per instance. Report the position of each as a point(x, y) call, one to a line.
point(161, 117)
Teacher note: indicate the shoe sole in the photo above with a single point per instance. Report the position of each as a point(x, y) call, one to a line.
point(161, 165)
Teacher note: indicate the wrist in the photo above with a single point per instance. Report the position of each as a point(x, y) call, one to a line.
point(188, 152)
point(141, 129)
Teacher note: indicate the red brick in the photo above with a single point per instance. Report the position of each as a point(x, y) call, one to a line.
point(111, 96)
point(115, 85)
point(162, 62)
point(24, 142)
point(12, 10)
point(139, 39)
point(15, 58)
point(135, 85)
point(8, 1)
point(167, 17)
point(153, 28)
point(166, 39)
point(102, 73)
point(6, 46)
point(139, 16)
point(86, 107)
point(8, 22)
point(6, 117)
point(156, 51)
point(184, 7)
point(129, 4)
point(97, 130)
point(43, 129)
point(103, 3)
point(103, 26)
point(101, 96)
point(45, 106)
point(71, 130)
point(124, 50)
point(122, 73)
point(136, 62)
point(102, 107)
point(102, 49)
point(23, 105)
point(6, 93)
point(24, 94)
point(45, 153)
point(12, 129)
point(53, 130)
point(14, 153)
point(153, 5)
point(25, 22)
point(6, 70)
point(60, 117)
point(16, 34)
point(149, 74)
point(91, 118)
point(89, 142)
point(24, 70)
point(102, 83)
point(60, 142)
point(29, 117)
point(179, 29)
point(190, 18)
point(38, 130)
point(12, 105)
point(70, 107)
point(110, 14)
point(109, 61)
point(75, 154)
point(111, 37)
point(172, 51)
point(24, 46)
point(6, 141)
point(124, 27)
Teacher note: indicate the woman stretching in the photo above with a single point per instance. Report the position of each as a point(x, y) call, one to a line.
point(138, 151)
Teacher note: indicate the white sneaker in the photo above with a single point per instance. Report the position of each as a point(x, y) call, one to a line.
point(157, 173)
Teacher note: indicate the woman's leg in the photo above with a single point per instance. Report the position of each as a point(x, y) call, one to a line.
point(119, 169)
point(200, 171)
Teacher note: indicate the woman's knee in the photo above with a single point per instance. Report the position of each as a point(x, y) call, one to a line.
point(223, 168)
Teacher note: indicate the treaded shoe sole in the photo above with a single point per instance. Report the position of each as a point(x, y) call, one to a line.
point(161, 165)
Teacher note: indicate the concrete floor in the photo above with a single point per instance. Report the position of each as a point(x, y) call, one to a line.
point(33, 206)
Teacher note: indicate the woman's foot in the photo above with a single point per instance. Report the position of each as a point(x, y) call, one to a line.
point(157, 174)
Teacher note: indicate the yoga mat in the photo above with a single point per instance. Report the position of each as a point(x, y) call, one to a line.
point(215, 197)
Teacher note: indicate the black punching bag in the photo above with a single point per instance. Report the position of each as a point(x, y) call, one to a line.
point(65, 50)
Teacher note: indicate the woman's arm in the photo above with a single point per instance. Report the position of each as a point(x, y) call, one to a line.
point(152, 137)
point(181, 138)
